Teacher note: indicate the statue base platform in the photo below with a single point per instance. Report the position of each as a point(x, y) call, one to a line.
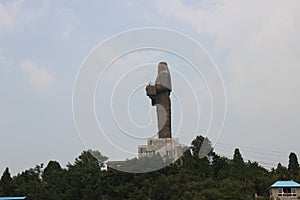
point(168, 148)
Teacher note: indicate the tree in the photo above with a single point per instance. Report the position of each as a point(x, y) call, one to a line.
point(281, 171)
point(28, 183)
point(89, 157)
point(53, 181)
point(293, 167)
point(145, 164)
point(237, 157)
point(198, 162)
point(82, 177)
point(201, 146)
point(7, 186)
point(190, 178)
point(219, 164)
point(237, 166)
point(101, 158)
point(52, 168)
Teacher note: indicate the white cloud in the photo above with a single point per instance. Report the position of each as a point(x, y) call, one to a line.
point(39, 77)
point(262, 42)
point(67, 20)
point(127, 62)
point(262, 45)
point(38, 13)
point(8, 13)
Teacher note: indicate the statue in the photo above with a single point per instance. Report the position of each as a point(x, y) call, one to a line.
point(160, 97)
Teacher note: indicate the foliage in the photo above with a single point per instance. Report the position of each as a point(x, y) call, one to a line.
point(191, 177)
point(293, 166)
point(7, 186)
point(237, 158)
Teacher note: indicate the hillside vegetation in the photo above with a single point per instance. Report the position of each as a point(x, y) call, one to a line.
point(188, 178)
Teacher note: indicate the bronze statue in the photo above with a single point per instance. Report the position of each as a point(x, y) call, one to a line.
point(160, 96)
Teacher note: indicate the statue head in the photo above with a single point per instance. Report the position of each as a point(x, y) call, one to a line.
point(163, 76)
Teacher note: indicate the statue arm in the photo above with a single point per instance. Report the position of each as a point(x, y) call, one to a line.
point(160, 88)
point(151, 92)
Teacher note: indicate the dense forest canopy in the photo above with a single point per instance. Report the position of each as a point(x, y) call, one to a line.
point(191, 177)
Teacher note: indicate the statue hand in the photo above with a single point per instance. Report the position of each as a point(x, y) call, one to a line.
point(151, 90)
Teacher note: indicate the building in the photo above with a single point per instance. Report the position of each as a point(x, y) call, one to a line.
point(12, 198)
point(285, 190)
point(168, 148)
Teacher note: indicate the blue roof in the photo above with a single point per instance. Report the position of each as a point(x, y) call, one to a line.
point(12, 198)
point(285, 184)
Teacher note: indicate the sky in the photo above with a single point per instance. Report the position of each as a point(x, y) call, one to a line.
point(255, 46)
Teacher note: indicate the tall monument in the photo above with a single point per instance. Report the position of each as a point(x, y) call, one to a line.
point(169, 148)
point(160, 97)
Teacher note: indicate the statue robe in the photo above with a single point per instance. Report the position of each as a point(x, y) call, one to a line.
point(160, 96)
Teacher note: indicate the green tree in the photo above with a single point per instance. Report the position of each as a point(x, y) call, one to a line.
point(28, 183)
point(192, 177)
point(82, 177)
point(54, 181)
point(293, 166)
point(281, 171)
point(237, 157)
point(237, 166)
point(145, 164)
point(7, 186)
point(220, 165)
point(101, 158)
point(235, 189)
point(201, 146)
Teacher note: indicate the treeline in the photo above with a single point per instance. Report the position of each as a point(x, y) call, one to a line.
point(190, 177)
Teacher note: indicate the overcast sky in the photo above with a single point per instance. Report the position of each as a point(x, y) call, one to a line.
point(255, 45)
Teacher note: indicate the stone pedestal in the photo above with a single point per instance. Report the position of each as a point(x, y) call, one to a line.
point(168, 148)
